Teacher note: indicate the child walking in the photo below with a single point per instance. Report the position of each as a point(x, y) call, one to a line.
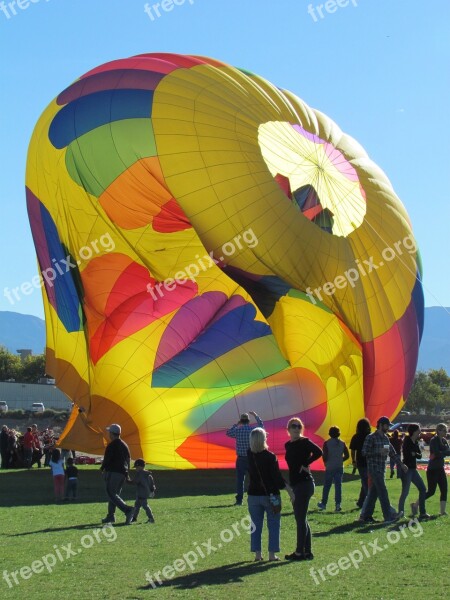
point(335, 452)
point(145, 488)
point(71, 480)
point(57, 466)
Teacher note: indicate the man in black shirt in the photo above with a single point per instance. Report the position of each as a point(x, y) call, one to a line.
point(115, 466)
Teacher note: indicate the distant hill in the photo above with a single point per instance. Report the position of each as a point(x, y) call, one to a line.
point(19, 331)
point(25, 331)
point(435, 347)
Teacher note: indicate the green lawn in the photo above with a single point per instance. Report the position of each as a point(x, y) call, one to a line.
point(196, 525)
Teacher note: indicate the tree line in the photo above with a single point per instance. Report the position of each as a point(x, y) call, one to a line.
point(29, 370)
point(430, 392)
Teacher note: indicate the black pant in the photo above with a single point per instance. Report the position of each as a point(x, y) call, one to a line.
point(437, 477)
point(364, 485)
point(114, 482)
point(5, 459)
point(303, 492)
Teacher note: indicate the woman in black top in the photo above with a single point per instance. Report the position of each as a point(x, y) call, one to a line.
point(436, 476)
point(396, 443)
point(359, 461)
point(300, 453)
point(411, 452)
point(265, 481)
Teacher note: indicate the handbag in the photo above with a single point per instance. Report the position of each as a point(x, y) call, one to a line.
point(274, 499)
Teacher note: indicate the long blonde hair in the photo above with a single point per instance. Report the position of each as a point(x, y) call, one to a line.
point(258, 440)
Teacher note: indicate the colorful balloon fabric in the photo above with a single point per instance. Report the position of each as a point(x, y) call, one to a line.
point(210, 245)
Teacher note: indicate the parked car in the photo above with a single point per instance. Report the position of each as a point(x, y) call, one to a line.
point(404, 413)
point(402, 427)
point(37, 407)
point(3, 406)
point(426, 432)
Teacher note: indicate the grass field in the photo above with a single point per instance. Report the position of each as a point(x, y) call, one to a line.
point(197, 526)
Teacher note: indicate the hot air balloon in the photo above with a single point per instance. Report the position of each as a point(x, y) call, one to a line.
point(209, 245)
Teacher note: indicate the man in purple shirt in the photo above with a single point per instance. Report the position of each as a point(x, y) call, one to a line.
point(240, 431)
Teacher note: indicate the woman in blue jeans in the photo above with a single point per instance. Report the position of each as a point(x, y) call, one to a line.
point(265, 480)
point(411, 452)
point(300, 453)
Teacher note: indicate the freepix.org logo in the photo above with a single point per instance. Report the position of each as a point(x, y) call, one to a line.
point(190, 558)
point(330, 7)
point(366, 551)
point(154, 11)
point(49, 561)
point(361, 269)
point(60, 267)
point(9, 9)
point(203, 263)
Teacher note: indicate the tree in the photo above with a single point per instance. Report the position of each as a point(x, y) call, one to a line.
point(424, 394)
point(445, 400)
point(10, 365)
point(440, 378)
point(33, 368)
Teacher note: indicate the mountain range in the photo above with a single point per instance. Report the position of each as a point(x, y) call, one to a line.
point(19, 331)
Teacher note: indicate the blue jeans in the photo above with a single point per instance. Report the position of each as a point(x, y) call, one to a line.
point(71, 488)
point(333, 476)
point(377, 489)
point(412, 476)
point(142, 503)
point(241, 470)
point(257, 506)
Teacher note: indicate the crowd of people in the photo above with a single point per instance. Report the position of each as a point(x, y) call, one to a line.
point(23, 450)
point(369, 454)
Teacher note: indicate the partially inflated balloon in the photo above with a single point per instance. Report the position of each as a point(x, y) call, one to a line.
point(211, 245)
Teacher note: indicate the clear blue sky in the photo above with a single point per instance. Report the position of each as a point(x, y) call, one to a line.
point(379, 68)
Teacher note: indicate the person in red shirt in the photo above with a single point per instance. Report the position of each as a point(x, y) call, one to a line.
point(28, 447)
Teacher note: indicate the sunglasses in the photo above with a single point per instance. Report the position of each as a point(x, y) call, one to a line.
point(295, 426)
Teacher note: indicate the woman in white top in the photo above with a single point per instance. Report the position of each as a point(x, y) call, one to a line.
point(57, 466)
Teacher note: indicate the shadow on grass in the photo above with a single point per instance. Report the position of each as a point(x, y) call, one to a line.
point(230, 505)
point(345, 528)
point(224, 574)
point(53, 529)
